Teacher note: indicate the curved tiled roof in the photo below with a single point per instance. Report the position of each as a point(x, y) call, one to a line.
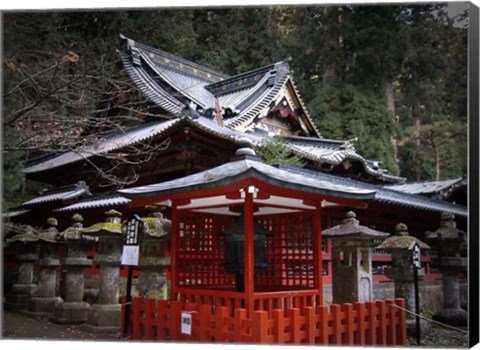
point(150, 88)
point(173, 83)
point(96, 201)
point(60, 194)
point(245, 168)
point(389, 196)
point(108, 144)
point(429, 187)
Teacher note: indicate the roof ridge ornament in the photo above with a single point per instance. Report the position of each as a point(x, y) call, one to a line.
point(246, 148)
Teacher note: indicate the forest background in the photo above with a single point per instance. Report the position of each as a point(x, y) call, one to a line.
point(393, 76)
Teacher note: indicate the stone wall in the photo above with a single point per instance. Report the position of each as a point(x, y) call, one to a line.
point(431, 294)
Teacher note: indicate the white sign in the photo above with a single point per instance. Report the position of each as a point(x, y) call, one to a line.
point(417, 257)
point(186, 323)
point(130, 255)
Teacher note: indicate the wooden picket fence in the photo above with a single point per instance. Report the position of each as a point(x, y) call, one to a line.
point(369, 323)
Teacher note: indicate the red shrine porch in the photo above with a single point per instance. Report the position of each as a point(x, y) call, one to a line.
point(246, 247)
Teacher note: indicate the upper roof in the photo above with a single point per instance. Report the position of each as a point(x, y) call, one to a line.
point(174, 83)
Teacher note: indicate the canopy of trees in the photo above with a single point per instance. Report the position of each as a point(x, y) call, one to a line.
point(393, 76)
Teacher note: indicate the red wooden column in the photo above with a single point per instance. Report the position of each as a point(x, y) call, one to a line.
point(174, 250)
point(317, 249)
point(249, 253)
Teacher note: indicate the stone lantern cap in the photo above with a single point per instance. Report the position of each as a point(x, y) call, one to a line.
point(156, 226)
point(111, 227)
point(447, 231)
point(351, 228)
point(27, 236)
point(401, 240)
point(74, 232)
point(49, 235)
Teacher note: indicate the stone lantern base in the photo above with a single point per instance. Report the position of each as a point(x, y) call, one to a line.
point(42, 307)
point(104, 318)
point(75, 312)
point(453, 317)
point(425, 328)
point(20, 296)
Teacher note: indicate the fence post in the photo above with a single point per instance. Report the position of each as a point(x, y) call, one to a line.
point(221, 323)
point(279, 326)
point(337, 324)
point(392, 322)
point(137, 321)
point(238, 324)
point(175, 320)
point(348, 308)
point(260, 328)
point(161, 321)
point(310, 325)
point(323, 315)
point(204, 313)
point(382, 329)
point(360, 335)
point(402, 322)
point(372, 323)
point(149, 320)
point(294, 316)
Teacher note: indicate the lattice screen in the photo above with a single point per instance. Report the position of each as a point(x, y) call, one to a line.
point(289, 253)
point(201, 251)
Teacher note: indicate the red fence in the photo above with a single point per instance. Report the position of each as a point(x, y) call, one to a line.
point(370, 323)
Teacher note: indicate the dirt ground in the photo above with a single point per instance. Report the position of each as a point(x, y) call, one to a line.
point(17, 326)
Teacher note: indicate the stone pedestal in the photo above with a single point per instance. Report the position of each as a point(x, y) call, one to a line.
point(73, 310)
point(153, 262)
point(105, 316)
point(401, 271)
point(352, 279)
point(43, 304)
point(24, 289)
point(449, 242)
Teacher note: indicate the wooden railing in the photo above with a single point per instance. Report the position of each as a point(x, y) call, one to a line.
point(370, 323)
point(267, 301)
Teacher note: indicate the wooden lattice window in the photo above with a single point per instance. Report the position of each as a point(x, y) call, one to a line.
point(289, 253)
point(201, 251)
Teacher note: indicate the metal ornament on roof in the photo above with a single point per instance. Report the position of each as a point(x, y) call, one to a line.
point(351, 227)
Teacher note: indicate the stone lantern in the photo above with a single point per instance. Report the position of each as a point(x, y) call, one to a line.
point(73, 309)
point(352, 279)
point(450, 243)
point(153, 261)
point(401, 246)
point(25, 244)
point(105, 316)
point(44, 303)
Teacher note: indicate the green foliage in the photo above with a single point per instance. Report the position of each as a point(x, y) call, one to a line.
point(272, 151)
point(60, 64)
point(344, 112)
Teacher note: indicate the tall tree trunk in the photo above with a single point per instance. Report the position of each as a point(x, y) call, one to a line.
point(330, 43)
point(390, 95)
point(436, 155)
point(417, 122)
